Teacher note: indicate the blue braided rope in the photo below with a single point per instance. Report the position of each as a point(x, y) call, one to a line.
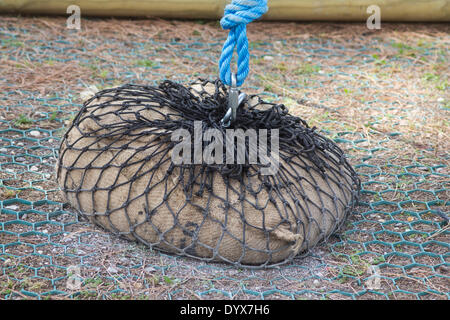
point(237, 14)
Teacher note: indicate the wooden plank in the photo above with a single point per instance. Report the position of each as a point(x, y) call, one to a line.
point(296, 10)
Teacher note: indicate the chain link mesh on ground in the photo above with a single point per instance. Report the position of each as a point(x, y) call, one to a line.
point(382, 95)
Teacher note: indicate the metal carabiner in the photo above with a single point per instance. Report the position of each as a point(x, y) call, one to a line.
point(234, 101)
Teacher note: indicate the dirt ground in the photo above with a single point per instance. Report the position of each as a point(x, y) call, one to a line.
point(382, 95)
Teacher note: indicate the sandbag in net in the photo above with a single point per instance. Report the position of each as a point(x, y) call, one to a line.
point(116, 167)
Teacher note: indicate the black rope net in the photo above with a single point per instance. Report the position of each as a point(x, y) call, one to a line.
point(115, 167)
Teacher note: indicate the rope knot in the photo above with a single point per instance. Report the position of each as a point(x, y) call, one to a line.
point(236, 16)
point(242, 12)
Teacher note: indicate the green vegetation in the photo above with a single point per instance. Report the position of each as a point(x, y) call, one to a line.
point(92, 283)
point(12, 43)
point(357, 268)
point(404, 49)
point(7, 193)
point(23, 122)
point(146, 63)
point(378, 60)
point(169, 280)
point(53, 116)
point(103, 74)
point(120, 296)
point(306, 69)
point(281, 66)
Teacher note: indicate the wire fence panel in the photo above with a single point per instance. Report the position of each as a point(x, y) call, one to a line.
point(381, 96)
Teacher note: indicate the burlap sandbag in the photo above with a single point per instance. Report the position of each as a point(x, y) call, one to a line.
point(134, 191)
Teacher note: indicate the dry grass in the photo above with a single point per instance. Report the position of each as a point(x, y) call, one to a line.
point(382, 94)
